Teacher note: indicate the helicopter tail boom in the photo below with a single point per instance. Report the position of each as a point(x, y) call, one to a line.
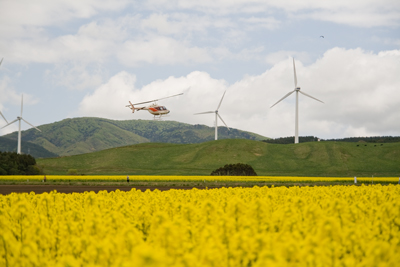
point(131, 107)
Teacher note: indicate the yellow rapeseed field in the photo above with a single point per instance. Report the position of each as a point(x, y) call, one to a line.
point(260, 226)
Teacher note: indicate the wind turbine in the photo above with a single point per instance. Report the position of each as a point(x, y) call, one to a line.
point(19, 129)
point(297, 90)
point(216, 115)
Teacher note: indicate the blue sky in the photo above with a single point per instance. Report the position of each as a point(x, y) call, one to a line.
point(89, 58)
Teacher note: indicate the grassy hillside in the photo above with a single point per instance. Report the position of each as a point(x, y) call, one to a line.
point(304, 159)
point(84, 135)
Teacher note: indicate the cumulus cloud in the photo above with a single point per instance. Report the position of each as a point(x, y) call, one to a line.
point(279, 56)
point(40, 13)
point(359, 88)
point(160, 51)
point(358, 13)
point(110, 99)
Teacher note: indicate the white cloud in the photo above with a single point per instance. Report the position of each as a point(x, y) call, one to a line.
point(76, 77)
point(160, 51)
point(360, 13)
point(359, 88)
point(279, 56)
point(254, 23)
point(110, 99)
point(41, 13)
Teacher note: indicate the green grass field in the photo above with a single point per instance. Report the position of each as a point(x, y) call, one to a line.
point(337, 159)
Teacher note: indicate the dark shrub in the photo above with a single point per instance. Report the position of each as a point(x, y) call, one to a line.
point(238, 169)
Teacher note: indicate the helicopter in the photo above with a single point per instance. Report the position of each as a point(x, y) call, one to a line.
point(154, 108)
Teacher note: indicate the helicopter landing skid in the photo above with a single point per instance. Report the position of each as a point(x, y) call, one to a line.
point(159, 118)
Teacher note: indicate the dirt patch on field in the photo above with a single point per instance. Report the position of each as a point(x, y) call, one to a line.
point(39, 189)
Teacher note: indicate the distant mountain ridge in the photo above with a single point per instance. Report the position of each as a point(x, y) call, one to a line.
point(37, 151)
point(84, 135)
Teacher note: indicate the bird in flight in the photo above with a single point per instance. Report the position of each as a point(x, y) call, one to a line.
point(322, 36)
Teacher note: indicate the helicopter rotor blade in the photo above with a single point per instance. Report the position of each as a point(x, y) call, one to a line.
point(156, 99)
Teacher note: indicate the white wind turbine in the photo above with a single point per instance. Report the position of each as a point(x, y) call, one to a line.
point(19, 129)
point(297, 90)
point(216, 115)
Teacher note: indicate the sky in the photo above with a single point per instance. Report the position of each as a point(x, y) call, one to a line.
point(88, 58)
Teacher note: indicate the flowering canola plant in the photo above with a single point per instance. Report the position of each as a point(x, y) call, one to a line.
point(259, 226)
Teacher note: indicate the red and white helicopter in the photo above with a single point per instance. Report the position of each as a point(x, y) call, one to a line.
point(154, 108)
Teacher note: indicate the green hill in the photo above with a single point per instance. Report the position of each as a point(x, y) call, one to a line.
point(304, 159)
point(84, 135)
point(37, 151)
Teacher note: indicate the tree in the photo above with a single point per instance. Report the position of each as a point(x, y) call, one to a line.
point(12, 163)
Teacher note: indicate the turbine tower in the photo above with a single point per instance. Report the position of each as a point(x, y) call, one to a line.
point(19, 129)
point(216, 117)
point(297, 90)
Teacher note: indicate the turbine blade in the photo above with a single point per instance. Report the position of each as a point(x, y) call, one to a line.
point(288, 94)
point(207, 112)
point(295, 76)
point(310, 96)
point(221, 100)
point(31, 125)
point(222, 120)
point(9, 123)
point(1, 61)
point(22, 102)
point(3, 116)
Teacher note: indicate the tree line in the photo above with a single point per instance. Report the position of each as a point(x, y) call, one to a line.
point(303, 139)
point(12, 163)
